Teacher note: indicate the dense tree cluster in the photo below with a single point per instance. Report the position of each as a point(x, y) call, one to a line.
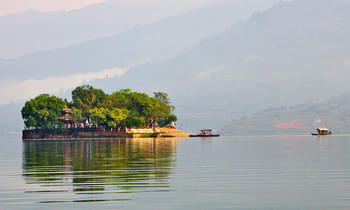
point(43, 111)
point(122, 108)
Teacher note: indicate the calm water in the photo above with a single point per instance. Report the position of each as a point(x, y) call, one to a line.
point(296, 172)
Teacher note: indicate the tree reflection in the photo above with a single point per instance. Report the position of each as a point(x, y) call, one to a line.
point(100, 165)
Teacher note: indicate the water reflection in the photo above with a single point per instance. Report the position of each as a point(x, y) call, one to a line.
point(96, 167)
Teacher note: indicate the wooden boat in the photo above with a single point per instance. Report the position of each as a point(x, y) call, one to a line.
point(206, 133)
point(322, 132)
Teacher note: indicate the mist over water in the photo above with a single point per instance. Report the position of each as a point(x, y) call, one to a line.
point(301, 172)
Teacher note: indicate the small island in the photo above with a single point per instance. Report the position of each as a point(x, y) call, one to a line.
point(94, 114)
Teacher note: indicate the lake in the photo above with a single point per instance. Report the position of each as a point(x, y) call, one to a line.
point(268, 172)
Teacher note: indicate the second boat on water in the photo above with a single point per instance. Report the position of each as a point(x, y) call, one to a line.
point(206, 133)
point(322, 132)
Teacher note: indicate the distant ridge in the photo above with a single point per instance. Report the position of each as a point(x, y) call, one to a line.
point(33, 31)
point(139, 45)
point(299, 119)
point(293, 53)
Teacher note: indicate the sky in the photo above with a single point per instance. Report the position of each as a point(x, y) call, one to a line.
point(30, 88)
point(17, 6)
point(12, 91)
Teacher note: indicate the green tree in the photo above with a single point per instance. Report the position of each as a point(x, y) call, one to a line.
point(143, 105)
point(163, 97)
point(122, 98)
point(164, 109)
point(134, 120)
point(77, 115)
point(116, 116)
point(109, 118)
point(43, 111)
point(86, 98)
point(98, 115)
point(167, 120)
point(123, 107)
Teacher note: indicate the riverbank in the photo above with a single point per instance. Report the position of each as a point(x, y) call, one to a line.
point(83, 133)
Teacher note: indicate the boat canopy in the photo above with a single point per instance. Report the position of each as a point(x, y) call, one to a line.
point(323, 131)
point(206, 132)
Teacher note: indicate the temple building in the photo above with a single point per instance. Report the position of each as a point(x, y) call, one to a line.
point(67, 117)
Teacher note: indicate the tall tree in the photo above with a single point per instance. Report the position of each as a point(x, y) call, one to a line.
point(77, 115)
point(110, 118)
point(98, 115)
point(162, 96)
point(116, 116)
point(43, 111)
point(86, 97)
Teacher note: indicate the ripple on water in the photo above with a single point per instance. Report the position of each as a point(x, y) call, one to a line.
point(295, 172)
point(77, 169)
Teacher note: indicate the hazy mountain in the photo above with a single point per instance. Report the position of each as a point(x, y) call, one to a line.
point(130, 48)
point(296, 52)
point(141, 44)
point(32, 30)
point(299, 119)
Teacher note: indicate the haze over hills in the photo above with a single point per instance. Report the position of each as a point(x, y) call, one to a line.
point(141, 44)
point(33, 31)
point(300, 119)
point(18, 6)
point(136, 46)
point(296, 52)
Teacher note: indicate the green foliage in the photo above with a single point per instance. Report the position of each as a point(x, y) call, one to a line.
point(167, 120)
point(116, 116)
point(144, 110)
point(86, 98)
point(98, 115)
point(121, 108)
point(110, 118)
point(162, 96)
point(77, 115)
point(43, 111)
point(135, 120)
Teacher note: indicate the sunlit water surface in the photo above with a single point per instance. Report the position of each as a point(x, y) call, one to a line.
point(289, 172)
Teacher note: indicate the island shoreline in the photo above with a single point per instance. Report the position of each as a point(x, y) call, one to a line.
point(68, 134)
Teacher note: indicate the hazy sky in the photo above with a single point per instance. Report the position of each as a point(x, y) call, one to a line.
point(11, 91)
point(15, 6)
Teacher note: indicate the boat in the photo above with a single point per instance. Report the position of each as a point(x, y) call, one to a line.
point(322, 132)
point(206, 133)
